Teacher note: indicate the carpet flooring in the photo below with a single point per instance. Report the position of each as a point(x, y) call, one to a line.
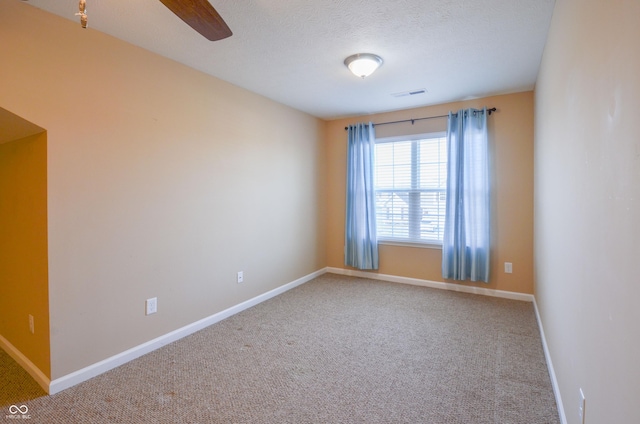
point(334, 350)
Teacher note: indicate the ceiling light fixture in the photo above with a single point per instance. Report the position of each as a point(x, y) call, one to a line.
point(363, 64)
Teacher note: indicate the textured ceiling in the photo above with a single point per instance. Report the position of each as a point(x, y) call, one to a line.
point(292, 51)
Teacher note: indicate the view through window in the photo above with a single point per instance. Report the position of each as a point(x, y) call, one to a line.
point(411, 182)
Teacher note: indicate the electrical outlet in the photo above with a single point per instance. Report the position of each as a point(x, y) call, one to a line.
point(508, 267)
point(151, 306)
point(32, 326)
point(240, 277)
point(581, 407)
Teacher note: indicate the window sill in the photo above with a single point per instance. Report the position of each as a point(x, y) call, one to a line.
point(411, 244)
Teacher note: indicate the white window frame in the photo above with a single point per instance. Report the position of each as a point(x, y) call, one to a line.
point(411, 242)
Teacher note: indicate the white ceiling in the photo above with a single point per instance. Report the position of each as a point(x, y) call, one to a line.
point(292, 51)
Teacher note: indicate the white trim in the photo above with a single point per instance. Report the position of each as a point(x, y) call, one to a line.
point(552, 373)
point(25, 363)
point(69, 380)
point(426, 245)
point(105, 365)
point(411, 137)
point(434, 284)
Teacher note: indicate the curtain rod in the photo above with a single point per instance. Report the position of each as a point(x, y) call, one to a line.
point(489, 111)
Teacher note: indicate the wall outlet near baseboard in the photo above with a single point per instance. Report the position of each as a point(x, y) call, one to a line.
point(240, 277)
point(32, 325)
point(151, 306)
point(581, 407)
point(508, 267)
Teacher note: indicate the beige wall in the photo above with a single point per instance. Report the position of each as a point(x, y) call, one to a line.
point(23, 246)
point(162, 181)
point(511, 142)
point(587, 206)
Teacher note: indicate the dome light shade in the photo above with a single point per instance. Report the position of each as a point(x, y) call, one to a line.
point(363, 64)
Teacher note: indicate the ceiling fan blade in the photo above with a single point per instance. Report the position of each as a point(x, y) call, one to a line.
point(201, 16)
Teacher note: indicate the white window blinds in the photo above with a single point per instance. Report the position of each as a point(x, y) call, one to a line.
point(411, 182)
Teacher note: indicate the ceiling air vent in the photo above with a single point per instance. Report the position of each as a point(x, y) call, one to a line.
point(410, 93)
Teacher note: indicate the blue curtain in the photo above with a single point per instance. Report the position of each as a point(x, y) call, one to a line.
point(361, 245)
point(466, 245)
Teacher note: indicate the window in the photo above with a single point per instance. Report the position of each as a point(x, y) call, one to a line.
point(410, 185)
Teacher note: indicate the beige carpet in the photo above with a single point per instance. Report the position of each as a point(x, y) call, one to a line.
point(16, 385)
point(334, 350)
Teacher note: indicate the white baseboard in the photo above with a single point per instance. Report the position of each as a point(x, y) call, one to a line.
point(25, 363)
point(434, 284)
point(98, 368)
point(552, 373)
point(69, 380)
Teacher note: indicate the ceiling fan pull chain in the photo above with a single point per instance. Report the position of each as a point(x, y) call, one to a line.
point(82, 7)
